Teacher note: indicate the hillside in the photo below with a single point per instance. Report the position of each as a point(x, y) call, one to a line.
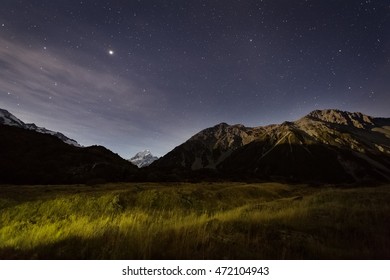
point(29, 157)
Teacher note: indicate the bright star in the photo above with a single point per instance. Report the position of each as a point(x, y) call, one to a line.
point(110, 52)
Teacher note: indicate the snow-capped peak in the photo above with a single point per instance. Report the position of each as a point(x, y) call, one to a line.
point(143, 159)
point(8, 119)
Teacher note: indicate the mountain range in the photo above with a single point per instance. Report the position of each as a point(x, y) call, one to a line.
point(325, 146)
point(34, 155)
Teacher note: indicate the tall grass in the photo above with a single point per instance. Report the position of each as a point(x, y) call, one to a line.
point(185, 221)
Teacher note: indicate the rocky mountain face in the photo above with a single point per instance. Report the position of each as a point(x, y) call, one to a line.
point(6, 118)
point(324, 146)
point(143, 159)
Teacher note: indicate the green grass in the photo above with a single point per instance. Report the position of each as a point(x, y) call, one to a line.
point(194, 221)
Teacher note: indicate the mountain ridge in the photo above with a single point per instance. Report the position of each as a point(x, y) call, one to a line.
point(9, 119)
point(325, 145)
point(39, 156)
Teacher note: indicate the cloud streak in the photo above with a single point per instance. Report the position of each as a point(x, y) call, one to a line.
point(90, 105)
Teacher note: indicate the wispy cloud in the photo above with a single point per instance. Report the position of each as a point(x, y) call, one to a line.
point(89, 104)
point(45, 76)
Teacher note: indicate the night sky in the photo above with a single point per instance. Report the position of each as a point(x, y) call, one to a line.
point(134, 75)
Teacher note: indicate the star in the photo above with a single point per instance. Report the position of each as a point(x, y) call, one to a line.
point(110, 52)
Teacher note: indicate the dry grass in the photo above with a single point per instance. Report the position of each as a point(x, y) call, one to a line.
point(194, 221)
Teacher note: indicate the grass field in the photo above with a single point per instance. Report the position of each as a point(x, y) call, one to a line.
point(194, 221)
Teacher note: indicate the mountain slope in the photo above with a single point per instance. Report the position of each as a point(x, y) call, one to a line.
point(143, 159)
point(209, 147)
point(30, 157)
point(7, 118)
point(324, 146)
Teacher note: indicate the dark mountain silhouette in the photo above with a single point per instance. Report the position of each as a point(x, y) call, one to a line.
point(30, 157)
point(7, 118)
point(324, 146)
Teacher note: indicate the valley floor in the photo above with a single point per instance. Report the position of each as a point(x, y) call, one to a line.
point(194, 221)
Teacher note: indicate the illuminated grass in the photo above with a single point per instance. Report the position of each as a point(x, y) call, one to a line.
point(194, 221)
